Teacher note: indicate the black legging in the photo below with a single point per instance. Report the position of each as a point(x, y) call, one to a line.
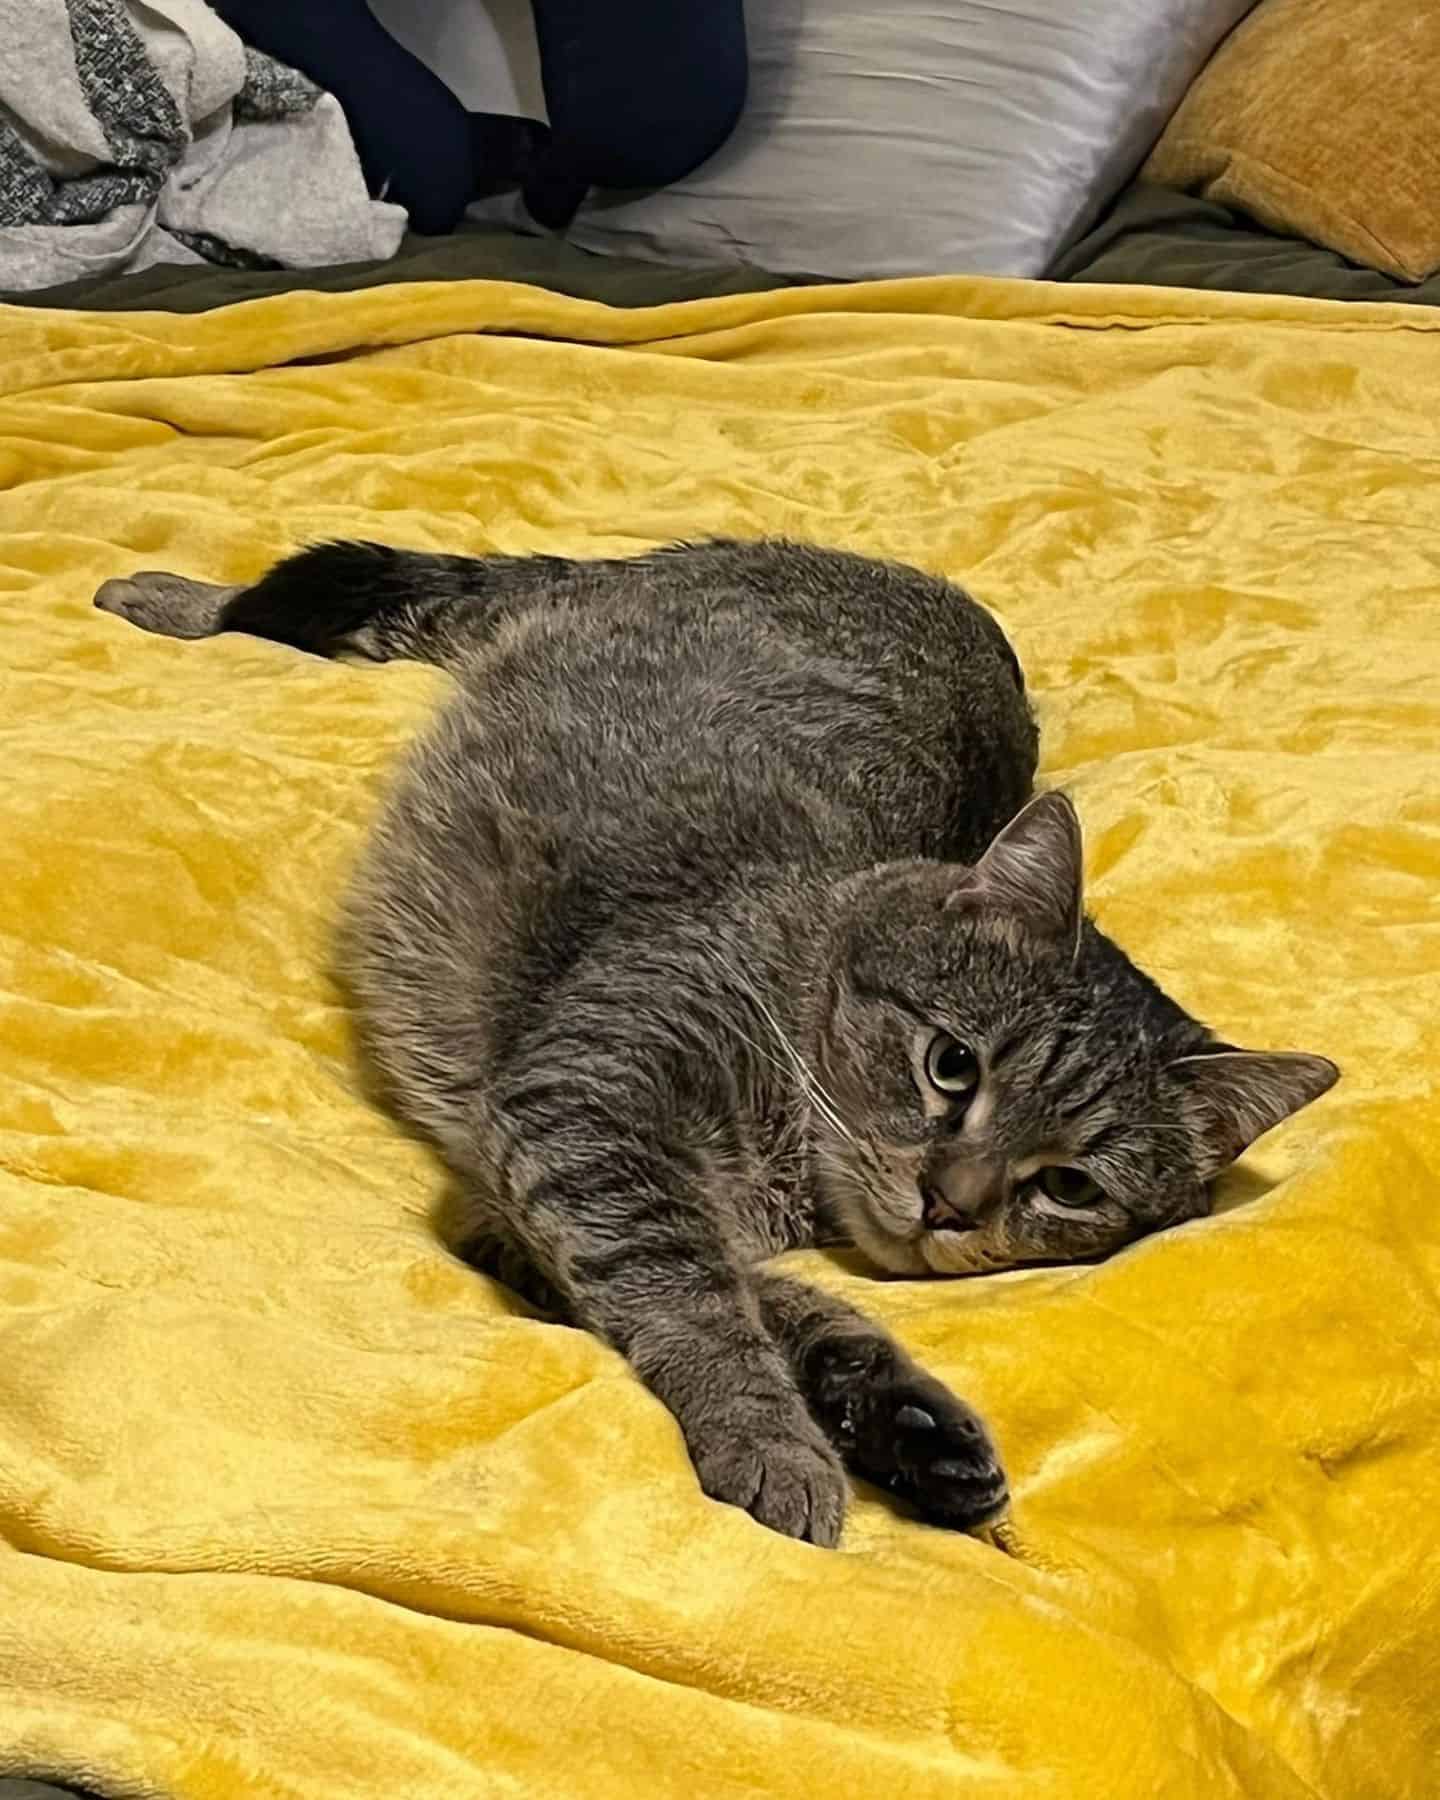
point(638, 91)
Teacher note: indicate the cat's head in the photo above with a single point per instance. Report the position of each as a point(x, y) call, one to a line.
point(1001, 1085)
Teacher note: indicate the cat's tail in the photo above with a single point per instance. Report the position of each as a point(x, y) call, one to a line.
point(344, 599)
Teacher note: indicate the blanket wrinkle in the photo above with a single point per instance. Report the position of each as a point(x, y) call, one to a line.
point(292, 1503)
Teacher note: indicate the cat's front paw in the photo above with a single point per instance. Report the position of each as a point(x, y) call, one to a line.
point(907, 1432)
point(784, 1475)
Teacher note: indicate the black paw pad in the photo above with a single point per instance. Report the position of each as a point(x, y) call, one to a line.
point(912, 1436)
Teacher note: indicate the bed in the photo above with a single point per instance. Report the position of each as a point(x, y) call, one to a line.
point(293, 1504)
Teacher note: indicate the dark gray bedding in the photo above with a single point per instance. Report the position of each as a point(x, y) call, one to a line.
point(474, 252)
point(1152, 237)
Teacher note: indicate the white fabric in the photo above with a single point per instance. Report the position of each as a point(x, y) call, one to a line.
point(197, 55)
point(40, 92)
point(924, 136)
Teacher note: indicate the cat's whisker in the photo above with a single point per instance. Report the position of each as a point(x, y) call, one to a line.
point(810, 1085)
point(820, 1099)
point(823, 1100)
point(764, 1055)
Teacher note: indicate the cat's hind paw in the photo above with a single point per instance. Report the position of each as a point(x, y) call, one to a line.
point(172, 605)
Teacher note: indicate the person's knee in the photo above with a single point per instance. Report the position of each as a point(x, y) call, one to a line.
point(660, 137)
point(646, 99)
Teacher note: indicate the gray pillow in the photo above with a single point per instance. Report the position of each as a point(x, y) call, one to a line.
point(915, 137)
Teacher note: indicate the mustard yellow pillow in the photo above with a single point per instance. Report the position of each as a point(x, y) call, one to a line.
point(1318, 117)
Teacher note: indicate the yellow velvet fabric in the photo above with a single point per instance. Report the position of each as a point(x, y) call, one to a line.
point(292, 1504)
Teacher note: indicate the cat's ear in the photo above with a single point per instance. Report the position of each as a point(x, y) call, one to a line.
point(1231, 1097)
point(1035, 868)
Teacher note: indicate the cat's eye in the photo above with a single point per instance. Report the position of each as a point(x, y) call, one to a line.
point(950, 1066)
point(1069, 1187)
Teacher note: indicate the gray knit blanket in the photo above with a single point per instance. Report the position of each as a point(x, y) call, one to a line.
point(141, 131)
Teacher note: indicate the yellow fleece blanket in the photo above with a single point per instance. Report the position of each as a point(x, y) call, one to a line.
point(291, 1504)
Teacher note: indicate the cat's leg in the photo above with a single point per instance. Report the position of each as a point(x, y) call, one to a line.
point(893, 1424)
point(357, 599)
point(637, 1258)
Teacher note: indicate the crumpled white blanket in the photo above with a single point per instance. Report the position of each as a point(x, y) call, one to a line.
point(141, 131)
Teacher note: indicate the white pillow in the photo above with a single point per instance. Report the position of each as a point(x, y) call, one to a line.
point(916, 137)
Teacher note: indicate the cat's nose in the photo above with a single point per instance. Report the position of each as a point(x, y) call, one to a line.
point(957, 1197)
point(937, 1214)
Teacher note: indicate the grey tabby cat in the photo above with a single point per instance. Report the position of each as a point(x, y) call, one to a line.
point(711, 920)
